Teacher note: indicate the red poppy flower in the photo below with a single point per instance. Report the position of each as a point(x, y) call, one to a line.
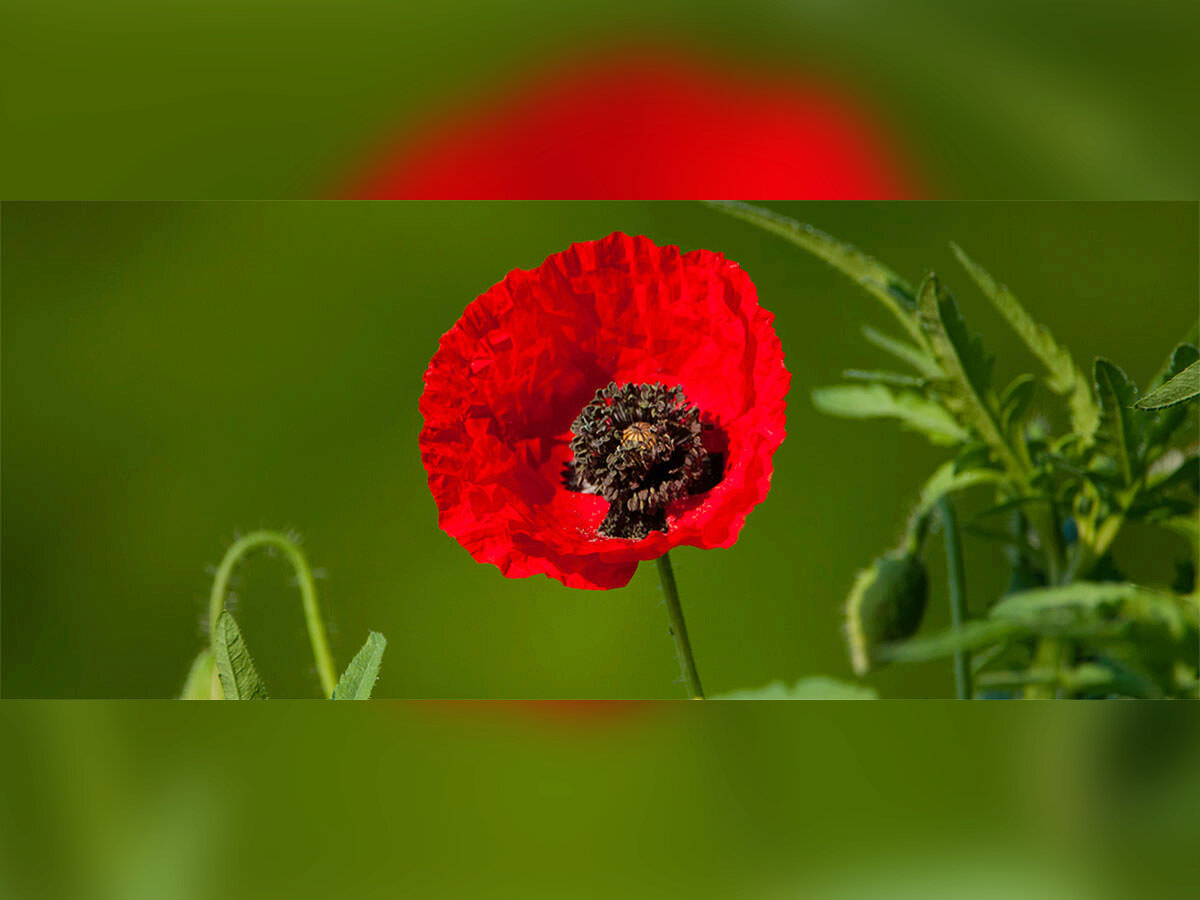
point(617, 401)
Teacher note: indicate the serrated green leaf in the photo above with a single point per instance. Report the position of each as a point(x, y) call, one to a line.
point(1182, 356)
point(235, 668)
point(1183, 387)
point(199, 684)
point(968, 369)
point(359, 678)
point(818, 687)
point(903, 351)
point(1166, 421)
point(874, 277)
point(867, 401)
point(1117, 395)
point(973, 635)
point(1066, 378)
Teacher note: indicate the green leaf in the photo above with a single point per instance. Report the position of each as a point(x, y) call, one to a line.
point(877, 279)
point(199, 684)
point(1166, 421)
point(818, 687)
point(855, 401)
point(1066, 378)
point(1097, 603)
point(967, 389)
point(1186, 474)
point(974, 455)
point(1117, 395)
point(359, 678)
point(895, 379)
point(947, 480)
point(904, 351)
point(971, 636)
point(1183, 387)
point(1181, 357)
point(1014, 404)
point(235, 668)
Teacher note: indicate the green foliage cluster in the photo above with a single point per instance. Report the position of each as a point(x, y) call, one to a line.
point(1070, 624)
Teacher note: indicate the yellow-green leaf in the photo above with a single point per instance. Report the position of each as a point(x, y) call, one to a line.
point(867, 401)
point(359, 678)
point(1183, 387)
point(235, 668)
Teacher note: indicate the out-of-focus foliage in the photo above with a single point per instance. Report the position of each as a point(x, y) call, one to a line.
point(713, 801)
point(1071, 623)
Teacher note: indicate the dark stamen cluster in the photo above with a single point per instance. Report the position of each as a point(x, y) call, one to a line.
point(639, 447)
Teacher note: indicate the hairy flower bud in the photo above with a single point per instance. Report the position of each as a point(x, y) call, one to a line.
point(885, 604)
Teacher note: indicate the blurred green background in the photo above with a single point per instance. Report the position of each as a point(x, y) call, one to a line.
point(286, 98)
point(832, 801)
point(176, 373)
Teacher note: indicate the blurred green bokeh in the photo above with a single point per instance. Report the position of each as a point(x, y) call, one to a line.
point(175, 373)
point(852, 801)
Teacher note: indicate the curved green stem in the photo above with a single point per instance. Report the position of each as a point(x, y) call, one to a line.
point(683, 647)
point(308, 595)
point(958, 595)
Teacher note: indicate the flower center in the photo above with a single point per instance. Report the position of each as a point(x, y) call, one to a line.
point(639, 447)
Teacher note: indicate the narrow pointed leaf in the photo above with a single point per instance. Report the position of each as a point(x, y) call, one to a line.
point(235, 668)
point(904, 351)
point(894, 379)
point(1167, 420)
point(1183, 387)
point(359, 678)
point(876, 278)
point(973, 635)
point(817, 687)
point(867, 401)
point(1014, 404)
point(946, 481)
point(1117, 395)
point(1066, 378)
point(968, 368)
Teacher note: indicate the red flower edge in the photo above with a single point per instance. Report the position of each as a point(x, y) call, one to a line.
point(510, 377)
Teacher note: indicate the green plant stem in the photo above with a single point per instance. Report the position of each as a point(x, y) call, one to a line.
point(683, 648)
point(308, 595)
point(956, 579)
point(1047, 658)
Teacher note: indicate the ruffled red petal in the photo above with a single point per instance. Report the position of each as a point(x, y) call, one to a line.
point(510, 377)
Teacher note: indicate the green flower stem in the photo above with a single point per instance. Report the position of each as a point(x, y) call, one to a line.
point(958, 595)
point(683, 647)
point(308, 595)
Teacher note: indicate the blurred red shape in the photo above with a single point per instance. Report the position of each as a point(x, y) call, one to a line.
point(646, 126)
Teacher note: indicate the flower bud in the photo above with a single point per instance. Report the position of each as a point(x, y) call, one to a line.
point(885, 604)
